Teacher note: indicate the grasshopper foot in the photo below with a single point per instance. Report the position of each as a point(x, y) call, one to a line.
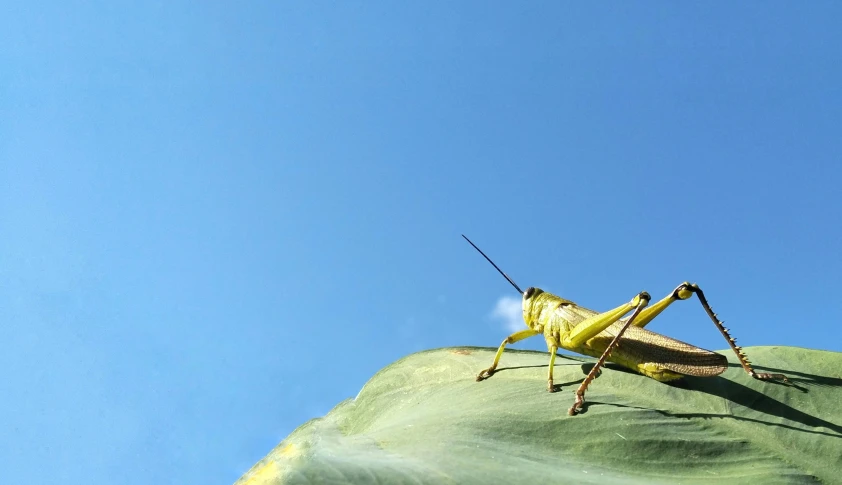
point(576, 405)
point(485, 374)
point(550, 386)
point(764, 376)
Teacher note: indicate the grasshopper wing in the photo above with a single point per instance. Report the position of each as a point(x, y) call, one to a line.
point(641, 345)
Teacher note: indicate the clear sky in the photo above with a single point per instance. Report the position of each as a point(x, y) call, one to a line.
point(219, 219)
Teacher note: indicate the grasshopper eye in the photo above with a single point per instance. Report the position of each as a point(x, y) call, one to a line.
point(529, 292)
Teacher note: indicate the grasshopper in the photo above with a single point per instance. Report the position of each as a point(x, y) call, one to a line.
point(610, 337)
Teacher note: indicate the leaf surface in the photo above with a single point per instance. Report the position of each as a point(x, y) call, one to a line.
point(424, 419)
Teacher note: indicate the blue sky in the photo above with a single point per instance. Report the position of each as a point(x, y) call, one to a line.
point(219, 220)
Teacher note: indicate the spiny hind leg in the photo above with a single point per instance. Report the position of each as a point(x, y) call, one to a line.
point(515, 337)
point(686, 290)
point(638, 304)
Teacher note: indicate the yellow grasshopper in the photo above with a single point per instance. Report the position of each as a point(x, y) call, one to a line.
point(623, 341)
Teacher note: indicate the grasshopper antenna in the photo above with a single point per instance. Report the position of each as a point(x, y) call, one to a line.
point(495, 266)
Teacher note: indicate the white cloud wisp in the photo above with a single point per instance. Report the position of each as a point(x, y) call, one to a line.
point(508, 309)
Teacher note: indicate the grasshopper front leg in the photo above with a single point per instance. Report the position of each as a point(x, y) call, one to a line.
point(515, 337)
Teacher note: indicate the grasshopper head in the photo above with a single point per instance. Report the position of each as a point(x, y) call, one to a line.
point(529, 297)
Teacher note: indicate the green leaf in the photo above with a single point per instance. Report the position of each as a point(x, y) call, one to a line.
point(424, 419)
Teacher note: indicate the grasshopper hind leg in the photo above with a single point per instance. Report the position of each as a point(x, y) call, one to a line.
point(638, 303)
point(684, 291)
